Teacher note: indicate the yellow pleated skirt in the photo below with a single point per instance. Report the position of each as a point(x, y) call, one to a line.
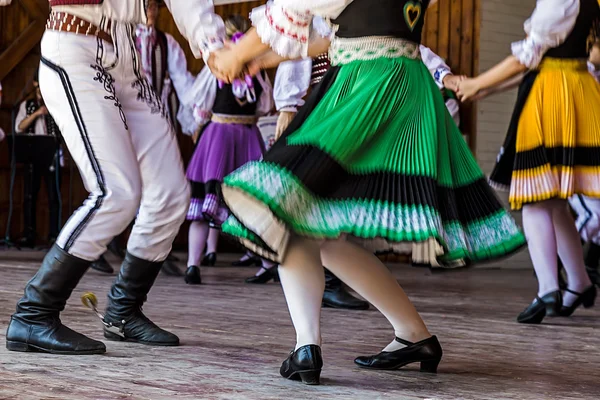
point(558, 136)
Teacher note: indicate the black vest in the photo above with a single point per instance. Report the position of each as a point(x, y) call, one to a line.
point(398, 18)
point(586, 26)
point(227, 103)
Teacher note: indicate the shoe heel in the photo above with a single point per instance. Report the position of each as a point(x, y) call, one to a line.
point(589, 302)
point(18, 346)
point(113, 336)
point(310, 377)
point(430, 366)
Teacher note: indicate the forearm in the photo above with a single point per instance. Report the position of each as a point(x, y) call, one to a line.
point(318, 47)
point(250, 47)
point(270, 60)
point(508, 68)
point(26, 123)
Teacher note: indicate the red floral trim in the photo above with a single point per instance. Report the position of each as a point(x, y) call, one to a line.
point(293, 20)
point(281, 30)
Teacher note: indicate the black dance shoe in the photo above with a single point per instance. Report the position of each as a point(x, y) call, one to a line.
point(594, 275)
point(101, 265)
point(548, 305)
point(304, 364)
point(265, 277)
point(587, 298)
point(192, 276)
point(209, 260)
point(428, 352)
point(248, 262)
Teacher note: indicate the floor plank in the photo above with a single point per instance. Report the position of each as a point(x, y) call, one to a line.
point(235, 336)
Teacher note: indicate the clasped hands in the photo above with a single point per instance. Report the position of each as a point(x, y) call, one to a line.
point(226, 66)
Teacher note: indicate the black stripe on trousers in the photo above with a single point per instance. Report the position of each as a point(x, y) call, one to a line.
point(64, 78)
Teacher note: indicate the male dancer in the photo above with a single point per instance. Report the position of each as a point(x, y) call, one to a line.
point(164, 65)
point(118, 134)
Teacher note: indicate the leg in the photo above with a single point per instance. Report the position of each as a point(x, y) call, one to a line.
point(211, 248)
point(570, 252)
point(102, 149)
point(197, 236)
point(303, 284)
point(367, 275)
point(539, 229)
point(164, 204)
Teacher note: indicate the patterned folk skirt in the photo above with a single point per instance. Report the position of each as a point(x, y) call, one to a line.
point(552, 149)
point(373, 156)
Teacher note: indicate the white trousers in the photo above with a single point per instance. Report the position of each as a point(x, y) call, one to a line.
point(118, 134)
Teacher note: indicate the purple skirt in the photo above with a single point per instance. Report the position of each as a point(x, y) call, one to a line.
point(222, 149)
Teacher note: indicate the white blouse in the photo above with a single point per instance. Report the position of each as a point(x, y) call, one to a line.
point(291, 84)
point(549, 26)
point(197, 103)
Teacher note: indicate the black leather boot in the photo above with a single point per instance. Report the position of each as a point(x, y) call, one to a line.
point(36, 325)
point(125, 300)
point(337, 296)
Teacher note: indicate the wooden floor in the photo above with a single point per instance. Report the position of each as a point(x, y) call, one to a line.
point(234, 337)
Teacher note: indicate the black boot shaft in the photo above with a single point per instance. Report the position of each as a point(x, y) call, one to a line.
point(36, 324)
point(125, 300)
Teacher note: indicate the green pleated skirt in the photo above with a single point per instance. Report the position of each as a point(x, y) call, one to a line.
point(373, 156)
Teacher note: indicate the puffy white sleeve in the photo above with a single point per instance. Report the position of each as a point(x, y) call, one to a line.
point(285, 25)
point(292, 81)
point(198, 23)
point(197, 102)
point(436, 65)
point(265, 102)
point(178, 72)
point(550, 24)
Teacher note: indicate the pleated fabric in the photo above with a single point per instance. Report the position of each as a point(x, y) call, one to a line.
point(374, 156)
point(221, 149)
point(553, 145)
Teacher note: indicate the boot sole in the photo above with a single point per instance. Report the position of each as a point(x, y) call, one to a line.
point(30, 348)
point(116, 338)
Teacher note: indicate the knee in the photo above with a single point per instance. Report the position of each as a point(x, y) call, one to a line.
point(123, 203)
point(173, 201)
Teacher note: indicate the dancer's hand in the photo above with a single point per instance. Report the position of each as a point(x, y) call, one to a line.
point(227, 65)
point(284, 120)
point(451, 81)
point(467, 89)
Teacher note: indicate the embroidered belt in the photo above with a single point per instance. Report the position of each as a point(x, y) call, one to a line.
point(234, 119)
point(65, 22)
point(572, 64)
point(346, 50)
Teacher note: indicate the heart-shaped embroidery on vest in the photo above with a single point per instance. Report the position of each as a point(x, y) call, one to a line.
point(412, 13)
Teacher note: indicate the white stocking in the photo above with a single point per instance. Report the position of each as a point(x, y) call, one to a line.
point(213, 241)
point(570, 252)
point(366, 274)
point(541, 238)
point(197, 236)
point(303, 284)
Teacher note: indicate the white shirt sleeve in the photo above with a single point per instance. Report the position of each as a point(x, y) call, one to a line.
point(21, 115)
point(286, 24)
point(198, 23)
point(436, 65)
point(197, 102)
point(292, 81)
point(180, 76)
point(265, 103)
point(550, 24)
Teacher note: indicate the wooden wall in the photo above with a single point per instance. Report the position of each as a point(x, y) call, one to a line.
point(452, 30)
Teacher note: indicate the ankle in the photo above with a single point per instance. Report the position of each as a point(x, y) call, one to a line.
point(414, 335)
